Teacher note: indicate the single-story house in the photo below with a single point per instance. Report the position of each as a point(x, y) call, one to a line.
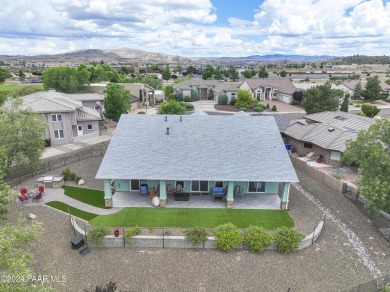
point(68, 119)
point(349, 86)
point(325, 134)
point(206, 89)
point(195, 154)
point(270, 88)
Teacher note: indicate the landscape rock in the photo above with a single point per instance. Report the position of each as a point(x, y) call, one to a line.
point(81, 182)
point(156, 201)
point(31, 216)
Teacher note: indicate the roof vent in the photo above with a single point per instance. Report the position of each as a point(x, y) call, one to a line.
point(167, 131)
point(330, 129)
point(181, 118)
point(166, 118)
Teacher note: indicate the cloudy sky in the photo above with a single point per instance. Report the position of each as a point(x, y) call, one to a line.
point(198, 27)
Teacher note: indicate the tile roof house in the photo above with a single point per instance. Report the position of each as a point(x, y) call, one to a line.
point(270, 88)
point(69, 120)
point(207, 89)
point(199, 152)
point(326, 134)
point(349, 86)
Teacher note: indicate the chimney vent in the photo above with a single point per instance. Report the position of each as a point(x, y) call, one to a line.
point(167, 131)
point(166, 118)
point(181, 118)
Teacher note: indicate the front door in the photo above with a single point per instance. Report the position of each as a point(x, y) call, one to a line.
point(80, 130)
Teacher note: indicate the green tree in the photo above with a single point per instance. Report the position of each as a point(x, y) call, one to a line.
point(371, 151)
point(208, 72)
point(171, 107)
point(320, 98)
point(166, 74)
point(153, 81)
point(244, 99)
point(168, 89)
point(263, 73)
point(233, 74)
point(247, 74)
point(344, 105)
point(369, 110)
point(116, 101)
point(357, 91)
point(65, 79)
point(22, 76)
point(4, 74)
point(372, 90)
point(21, 132)
point(104, 72)
point(283, 74)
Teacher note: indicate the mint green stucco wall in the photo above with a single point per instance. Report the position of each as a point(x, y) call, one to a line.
point(122, 185)
point(271, 188)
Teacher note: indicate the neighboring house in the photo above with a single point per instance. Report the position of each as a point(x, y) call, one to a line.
point(198, 152)
point(207, 89)
point(68, 119)
point(270, 88)
point(143, 93)
point(349, 86)
point(325, 134)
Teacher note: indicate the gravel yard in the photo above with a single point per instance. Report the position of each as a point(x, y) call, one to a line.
point(331, 264)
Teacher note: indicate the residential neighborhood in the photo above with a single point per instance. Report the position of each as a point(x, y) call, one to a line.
point(204, 146)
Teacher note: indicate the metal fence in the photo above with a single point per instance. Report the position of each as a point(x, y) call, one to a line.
point(18, 174)
point(375, 285)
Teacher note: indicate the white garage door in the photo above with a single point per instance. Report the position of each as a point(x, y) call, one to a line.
point(286, 99)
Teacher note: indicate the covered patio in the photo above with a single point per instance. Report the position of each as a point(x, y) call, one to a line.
point(248, 201)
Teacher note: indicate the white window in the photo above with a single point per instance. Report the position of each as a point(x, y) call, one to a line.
point(256, 187)
point(200, 186)
point(89, 127)
point(56, 117)
point(335, 155)
point(59, 134)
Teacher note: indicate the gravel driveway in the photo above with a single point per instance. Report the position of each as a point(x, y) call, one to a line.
point(332, 264)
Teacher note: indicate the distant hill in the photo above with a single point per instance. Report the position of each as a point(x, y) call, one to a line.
point(361, 59)
point(296, 58)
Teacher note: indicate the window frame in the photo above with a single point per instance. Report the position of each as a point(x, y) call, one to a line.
point(59, 131)
point(305, 145)
point(89, 129)
point(199, 186)
point(58, 118)
point(256, 189)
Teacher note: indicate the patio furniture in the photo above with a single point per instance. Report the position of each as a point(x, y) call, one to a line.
point(179, 188)
point(169, 189)
point(23, 191)
point(143, 189)
point(181, 196)
point(37, 197)
point(22, 199)
point(238, 192)
point(41, 190)
point(218, 192)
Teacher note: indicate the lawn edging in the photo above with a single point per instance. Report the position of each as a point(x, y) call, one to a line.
point(164, 241)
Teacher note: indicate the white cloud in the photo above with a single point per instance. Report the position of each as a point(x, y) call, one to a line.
point(331, 27)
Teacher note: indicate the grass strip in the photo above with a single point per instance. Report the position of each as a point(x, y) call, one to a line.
point(88, 196)
point(73, 211)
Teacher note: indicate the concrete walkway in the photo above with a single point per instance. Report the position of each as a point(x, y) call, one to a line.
point(57, 194)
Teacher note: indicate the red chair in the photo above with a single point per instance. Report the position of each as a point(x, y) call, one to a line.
point(23, 199)
point(23, 191)
point(37, 198)
point(41, 190)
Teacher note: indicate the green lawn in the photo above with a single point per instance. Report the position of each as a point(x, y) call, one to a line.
point(175, 217)
point(73, 211)
point(8, 87)
point(88, 196)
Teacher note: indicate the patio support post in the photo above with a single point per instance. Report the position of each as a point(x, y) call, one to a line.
point(163, 194)
point(107, 193)
point(285, 196)
point(229, 197)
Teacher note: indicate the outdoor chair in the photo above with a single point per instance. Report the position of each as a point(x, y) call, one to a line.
point(37, 197)
point(144, 189)
point(179, 188)
point(22, 199)
point(169, 189)
point(23, 191)
point(238, 192)
point(41, 190)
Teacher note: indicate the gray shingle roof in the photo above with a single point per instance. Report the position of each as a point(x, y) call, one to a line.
point(282, 85)
point(201, 147)
point(332, 130)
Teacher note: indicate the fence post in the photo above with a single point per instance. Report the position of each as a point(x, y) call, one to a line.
point(357, 196)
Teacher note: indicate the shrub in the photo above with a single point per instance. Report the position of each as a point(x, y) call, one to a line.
point(258, 109)
point(187, 98)
point(129, 233)
point(274, 108)
point(194, 95)
point(243, 109)
point(262, 106)
point(97, 234)
point(66, 173)
point(187, 105)
point(196, 235)
point(227, 237)
point(256, 238)
point(179, 96)
point(287, 239)
point(267, 105)
point(141, 113)
point(222, 98)
point(233, 101)
point(72, 176)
